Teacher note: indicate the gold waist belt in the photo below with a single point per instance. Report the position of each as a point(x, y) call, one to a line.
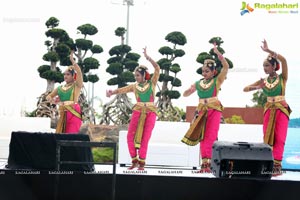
point(208, 100)
point(145, 104)
point(275, 99)
point(66, 103)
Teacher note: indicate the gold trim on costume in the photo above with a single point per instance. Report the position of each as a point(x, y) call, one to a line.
point(271, 85)
point(73, 111)
point(275, 99)
point(196, 132)
point(142, 89)
point(66, 87)
point(61, 124)
point(208, 100)
point(147, 104)
point(273, 106)
point(66, 103)
point(206, 85)
point(143, 107)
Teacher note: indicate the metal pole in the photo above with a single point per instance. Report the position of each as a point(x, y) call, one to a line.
point(127, 28)
point(89, 91)
point(129, 3)
point(92, 95)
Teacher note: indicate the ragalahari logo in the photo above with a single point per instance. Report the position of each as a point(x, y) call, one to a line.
point(246, 8)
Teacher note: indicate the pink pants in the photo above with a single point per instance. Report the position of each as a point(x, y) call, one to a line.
point(280, 132)
point(148, 127)
point(73, 123)
point(211, 133)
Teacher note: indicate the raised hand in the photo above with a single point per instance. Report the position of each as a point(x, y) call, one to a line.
point(72, 57)
point(220, 56)
point(145, 53)
point(216, 49)
point(265, 47)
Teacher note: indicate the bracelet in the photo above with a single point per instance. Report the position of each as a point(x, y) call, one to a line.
point(148, 58)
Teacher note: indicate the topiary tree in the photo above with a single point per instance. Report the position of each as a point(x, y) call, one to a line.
point(57, 50)
point(121, 65)
point(211, 55)
point(168, 77)
point(87, 64)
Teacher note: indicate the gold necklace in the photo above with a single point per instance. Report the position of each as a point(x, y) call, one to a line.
point(67, 86)
point(271, 85)
point(206, 85)
point(142, 88)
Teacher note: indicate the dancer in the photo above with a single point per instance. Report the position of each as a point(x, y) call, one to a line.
point(144, 112)
point(66, 96)
point(276, 110)
point(205, 126)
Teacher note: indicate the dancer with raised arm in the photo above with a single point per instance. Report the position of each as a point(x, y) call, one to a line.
point(66, 96)
point(144, 115)
point(276, 110)
point(205, 126)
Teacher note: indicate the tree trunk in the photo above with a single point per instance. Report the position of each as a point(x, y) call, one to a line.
point(50, 86)
point(117, 111)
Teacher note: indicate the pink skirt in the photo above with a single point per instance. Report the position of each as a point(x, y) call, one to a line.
point(73, 123)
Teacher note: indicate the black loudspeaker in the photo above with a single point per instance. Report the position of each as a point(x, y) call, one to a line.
point(242, 160)
point(37, 151)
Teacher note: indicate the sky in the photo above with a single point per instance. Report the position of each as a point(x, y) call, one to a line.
point(23, 35)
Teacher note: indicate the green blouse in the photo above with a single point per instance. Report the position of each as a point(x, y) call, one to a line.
point(274, 87)
point(206, 89)
point(65, 95)
point(144, 92)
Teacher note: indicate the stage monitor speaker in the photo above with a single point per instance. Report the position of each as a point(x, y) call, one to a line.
point(242, 160)
point(37, 151)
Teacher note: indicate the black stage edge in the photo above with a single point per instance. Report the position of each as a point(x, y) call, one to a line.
point(81, 186)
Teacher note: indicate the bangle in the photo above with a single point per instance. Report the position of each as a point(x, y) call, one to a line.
point(148, 58)
point(220, 57)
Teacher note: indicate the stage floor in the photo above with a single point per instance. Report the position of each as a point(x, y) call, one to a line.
point(167, 171)
point(155, 182)
point(181, 172)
